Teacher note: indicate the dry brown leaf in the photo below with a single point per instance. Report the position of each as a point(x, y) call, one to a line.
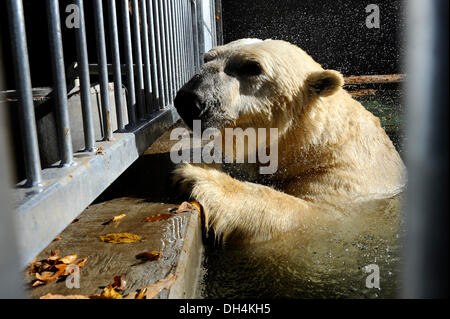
point(118, 238)
point(119, 283)
point(149, 255)
point(81, 262)
point(68, 259)
point(52, 296)
point(153, 290)
point(110, 293)
point(57, 238)
point(54, 255)
point(115, 219)
point(38, 283)
point(141, 294)
point(157, 217)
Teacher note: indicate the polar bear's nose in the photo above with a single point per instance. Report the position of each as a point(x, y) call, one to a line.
point(188, 106)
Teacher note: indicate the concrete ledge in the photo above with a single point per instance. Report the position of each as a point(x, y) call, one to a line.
point(42, 213)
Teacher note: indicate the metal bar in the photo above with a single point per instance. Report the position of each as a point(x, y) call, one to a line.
point(59, 79)
point(195, 35)
point(159, 54)
point(145, 49)
point(11, 275)
point(169, 56)
point(179, 42)
point(425, 263)
point(153, 57)
point(162, 34)
point(101, 55)
point(219, 24)
point(23, 84)
point(131, 94)
point(174, 57)
point(200, 32)
point(115, 54)
point(85, 84)
point(138, 55)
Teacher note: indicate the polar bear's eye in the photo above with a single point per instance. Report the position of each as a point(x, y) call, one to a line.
point(249, 68)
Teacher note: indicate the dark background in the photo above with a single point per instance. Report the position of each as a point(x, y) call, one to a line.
point(333, 32)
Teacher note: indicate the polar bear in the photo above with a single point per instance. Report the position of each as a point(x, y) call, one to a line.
point(331, 150)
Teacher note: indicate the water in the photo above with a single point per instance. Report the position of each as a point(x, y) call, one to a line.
point(328, 262)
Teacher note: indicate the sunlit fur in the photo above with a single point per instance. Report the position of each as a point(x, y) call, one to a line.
point(331, 149)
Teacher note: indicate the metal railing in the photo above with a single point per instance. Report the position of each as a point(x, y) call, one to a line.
point(160, 51)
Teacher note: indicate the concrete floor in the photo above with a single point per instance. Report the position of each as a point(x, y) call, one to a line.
point(143, 190)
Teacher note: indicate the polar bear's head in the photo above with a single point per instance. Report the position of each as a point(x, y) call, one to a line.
point(254, 83)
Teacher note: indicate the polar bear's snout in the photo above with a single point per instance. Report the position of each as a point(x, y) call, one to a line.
point(188, 106)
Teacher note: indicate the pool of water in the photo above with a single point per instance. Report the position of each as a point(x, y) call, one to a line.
point(329, 262)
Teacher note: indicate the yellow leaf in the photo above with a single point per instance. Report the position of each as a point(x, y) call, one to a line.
point(68, 259)
point(118, 238)
point(110, 293)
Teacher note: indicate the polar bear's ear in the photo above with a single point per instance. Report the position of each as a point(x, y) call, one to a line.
point(324, 83)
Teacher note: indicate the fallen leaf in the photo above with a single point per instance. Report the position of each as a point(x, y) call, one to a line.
point(68, 259)
point(75, 220)
point(153, 290)
point(38, 283)
point(157, 217)
point(54, 255)
point(149, 255)
point(57, 238)
point(115, 219)
point(119, 283)
point(141, 294)
point(118, 238)
point(110, 293)
point(81, 262)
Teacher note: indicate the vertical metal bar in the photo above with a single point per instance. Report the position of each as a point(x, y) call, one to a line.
point(153, 57)
point(131, 94)
point(425, 263)
point(85, 84)
point(179, 33)
point(138, 55)
point(115, 54)
point(23, 84)
point(10, 267)
point(145, 50)
point(162, 37)
point(200, 32)
point(181, 53)
point(59, 79)
point(213, 23)
point(219, 25)
point(168, 52)
point(174, 57)
point(103, 68)
point(159, 53)
point(195, 35)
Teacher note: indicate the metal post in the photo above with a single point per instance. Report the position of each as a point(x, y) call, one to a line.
point(425, 272)
point(103, 68)
point(138, 56)
point(195, 34)
point(153, 57)
point(180, 41)
point(169, 56)
point(85, 84)
point(131, 94)
point(159, 54)
point(59, 79)
point(173, 53)
point(162, 36)
point(23, 84)
point(115, 53)
point(145, 49)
